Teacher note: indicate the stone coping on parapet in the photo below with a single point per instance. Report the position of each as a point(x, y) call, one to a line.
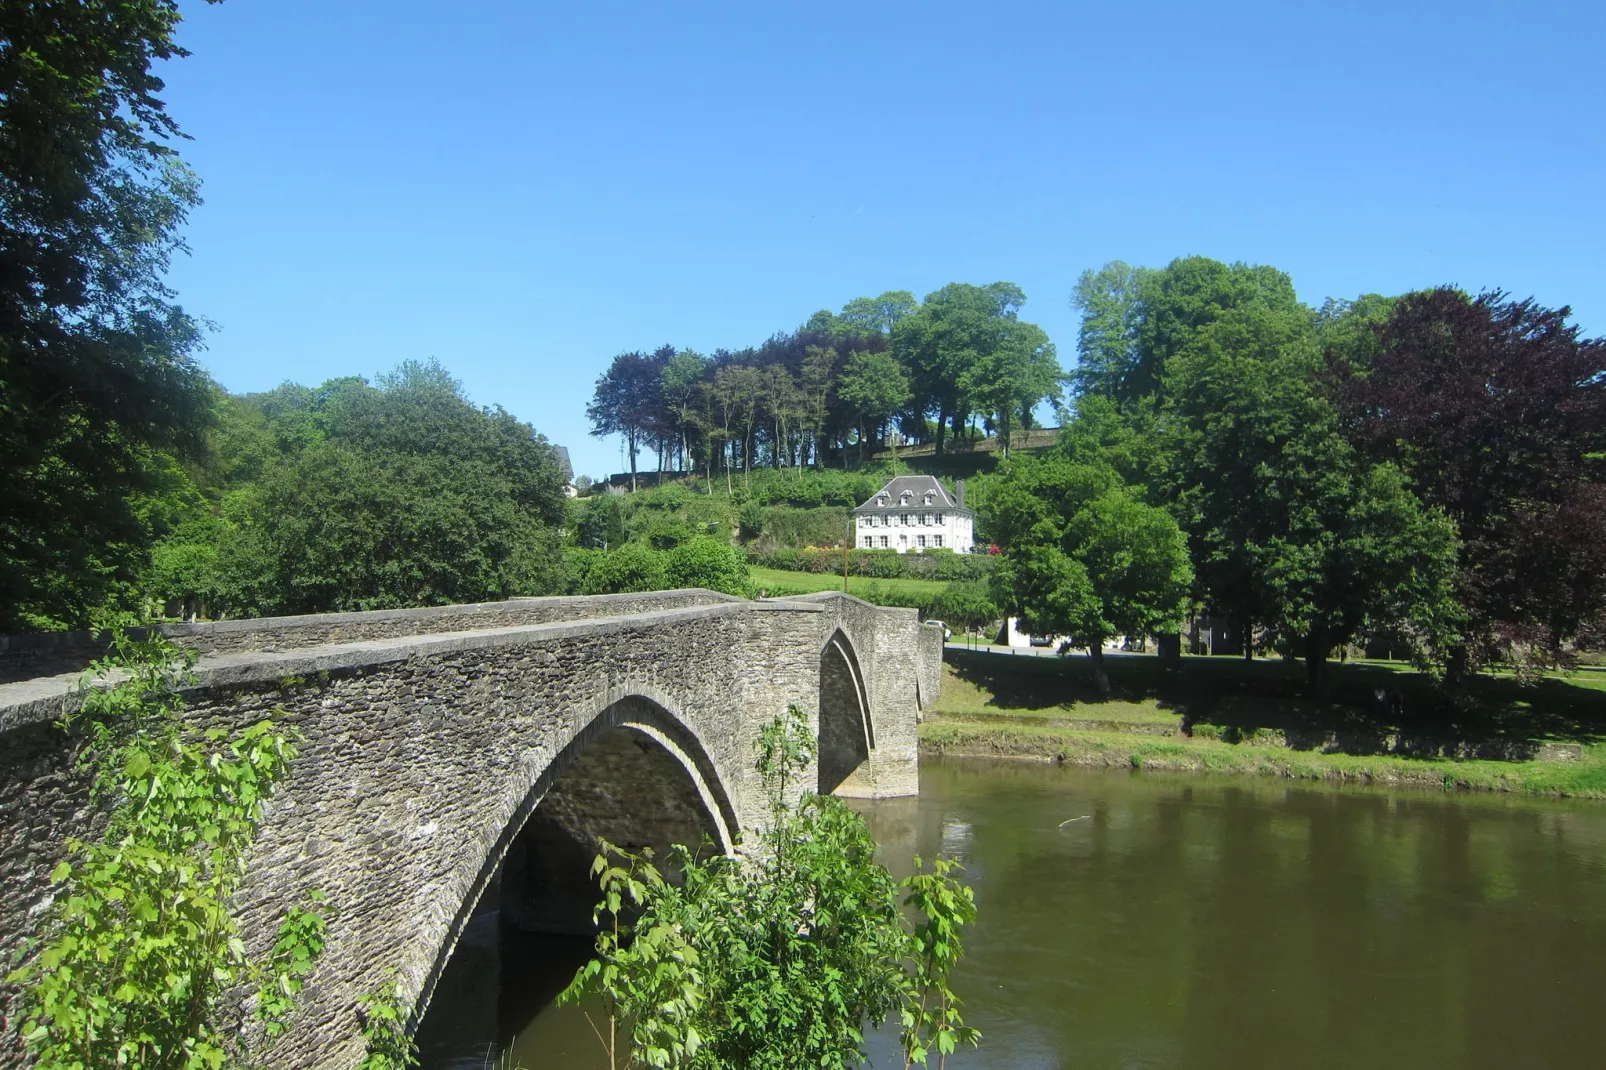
point(43, 641)
point(822, 596)
point(46, 698)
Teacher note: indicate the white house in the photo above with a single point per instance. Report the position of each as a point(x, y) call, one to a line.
point(915, 513)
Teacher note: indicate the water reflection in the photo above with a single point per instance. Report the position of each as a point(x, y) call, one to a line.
point(1189, 922)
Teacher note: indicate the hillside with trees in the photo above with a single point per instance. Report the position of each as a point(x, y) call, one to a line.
point(957, 365)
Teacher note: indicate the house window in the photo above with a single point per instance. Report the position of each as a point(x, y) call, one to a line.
point(868, 539)
point(903, 540)
point(942, 518)
point(883, 542)
point(921, 541)
point(904, 519)
point(938, 543)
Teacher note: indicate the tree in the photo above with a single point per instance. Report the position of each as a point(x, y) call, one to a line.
point(1134, 320)
point(1110, 301)
point(1009, 382)
point(879, 315)
point(875, 386)
point(96, 361)
point(628, 401)
point(678, 386)
point(1083, 557)
point(357, 497)
point(956, 328)
point(1496, 409)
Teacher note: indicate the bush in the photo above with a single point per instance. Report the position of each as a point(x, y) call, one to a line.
point(632, 567)
point(880, 564)
point(786, 526)
point(705, 562)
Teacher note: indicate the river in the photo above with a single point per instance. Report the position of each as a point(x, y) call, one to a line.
point(1192, 922)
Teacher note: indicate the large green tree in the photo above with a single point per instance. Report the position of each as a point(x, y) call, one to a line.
point(1134, 320)
point(1084, 557)
point(96, 366)
point(875, 386)
point(353, 496)
point(957, 328)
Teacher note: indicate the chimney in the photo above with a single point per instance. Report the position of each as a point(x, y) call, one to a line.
point(959, 492)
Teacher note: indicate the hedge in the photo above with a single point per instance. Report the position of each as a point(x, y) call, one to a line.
point(879, 564)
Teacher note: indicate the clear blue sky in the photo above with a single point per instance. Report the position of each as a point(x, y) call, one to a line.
point(524, 189)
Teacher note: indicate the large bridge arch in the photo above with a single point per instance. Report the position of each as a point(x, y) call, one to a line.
point(634, 773)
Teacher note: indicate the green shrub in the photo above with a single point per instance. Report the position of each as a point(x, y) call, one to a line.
point(705, 562)
point(632, 567)
point(880, 564)
point(777, 961)
point(785, 525)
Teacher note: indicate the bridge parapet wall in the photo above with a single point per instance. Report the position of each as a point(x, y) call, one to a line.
point(31, 656)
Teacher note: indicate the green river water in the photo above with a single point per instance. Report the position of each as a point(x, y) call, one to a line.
point(1193, 922)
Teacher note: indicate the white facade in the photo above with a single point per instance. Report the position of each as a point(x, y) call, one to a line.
point(912, 514)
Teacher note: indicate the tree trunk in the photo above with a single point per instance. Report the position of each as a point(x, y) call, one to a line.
point(942, 424)
point(1101, 679)
point(632, 450)
point(1248, 636)
point(1317, 647)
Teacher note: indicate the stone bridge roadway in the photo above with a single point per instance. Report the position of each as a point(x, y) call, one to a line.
point(455, 749)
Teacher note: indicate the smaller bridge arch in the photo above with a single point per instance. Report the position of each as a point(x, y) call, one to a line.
point(846, 728)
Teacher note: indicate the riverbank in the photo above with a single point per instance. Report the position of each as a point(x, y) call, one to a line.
point(1231, 717)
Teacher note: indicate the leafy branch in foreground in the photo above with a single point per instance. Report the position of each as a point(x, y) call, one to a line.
point(776, 961)
point(141, 950)
point(384, 1029)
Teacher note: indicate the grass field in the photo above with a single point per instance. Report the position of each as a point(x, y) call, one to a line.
point(1184, 716)
point(775, 581)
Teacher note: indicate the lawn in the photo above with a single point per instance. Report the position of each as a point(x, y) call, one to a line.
point(1227, 715)
point(1272, 694)
point(775, 581)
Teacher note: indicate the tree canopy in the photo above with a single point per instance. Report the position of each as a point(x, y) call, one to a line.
point(97, 369)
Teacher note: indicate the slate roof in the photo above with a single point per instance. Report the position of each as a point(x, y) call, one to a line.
point(563, 463)
point(917, 486)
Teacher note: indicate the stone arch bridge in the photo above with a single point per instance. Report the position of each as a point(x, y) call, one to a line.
point(456, 749)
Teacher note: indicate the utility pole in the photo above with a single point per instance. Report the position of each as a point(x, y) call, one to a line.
point(848, 541)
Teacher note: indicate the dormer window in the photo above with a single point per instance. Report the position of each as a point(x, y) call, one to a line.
point(928, 497)
point(904, 498)
point(881, 499)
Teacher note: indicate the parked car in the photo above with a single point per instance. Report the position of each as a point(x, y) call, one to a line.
point(1040, 640)
point(947, 632)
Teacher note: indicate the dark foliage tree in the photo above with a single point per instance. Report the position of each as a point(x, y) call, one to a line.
point(629, 401)
point(96, 371)
point(1497, 410)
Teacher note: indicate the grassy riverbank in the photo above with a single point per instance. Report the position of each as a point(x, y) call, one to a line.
point(1227, 716)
